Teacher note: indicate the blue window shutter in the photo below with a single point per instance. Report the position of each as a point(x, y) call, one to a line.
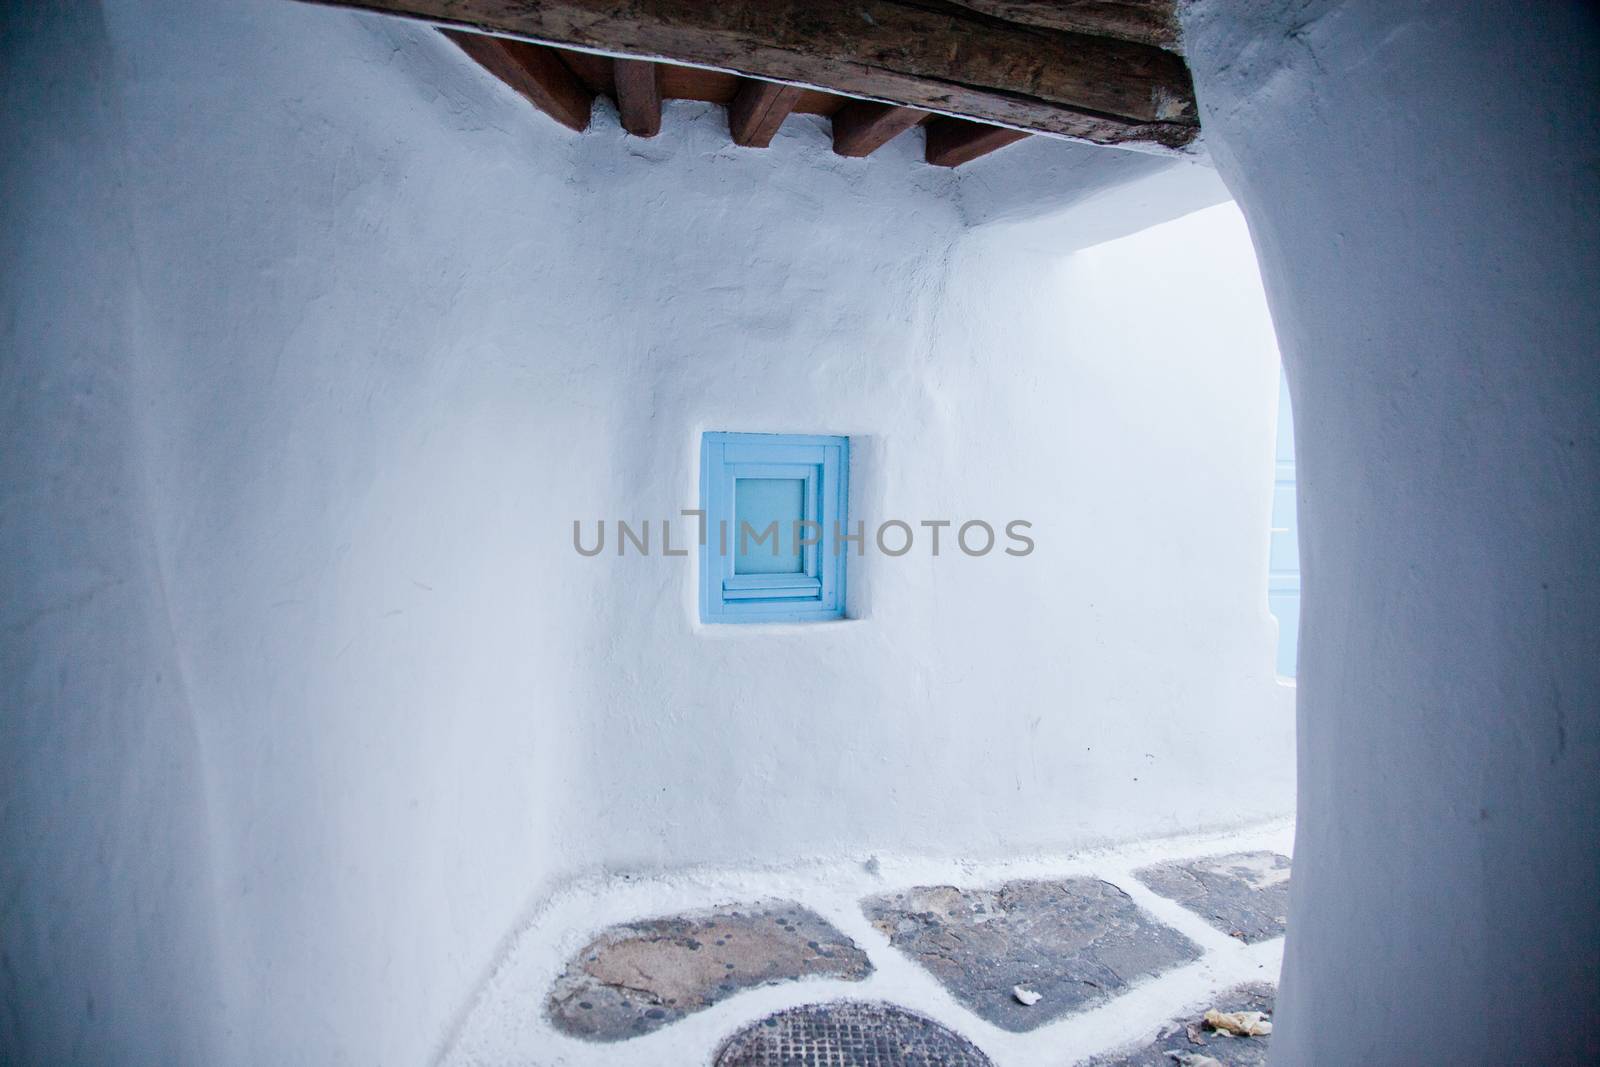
point(770, 481)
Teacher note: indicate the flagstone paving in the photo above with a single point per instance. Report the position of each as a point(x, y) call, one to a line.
point(1074, 942)
point(1243, 894)
point(641, 976)
point(961, 964)
point(1187, 1042)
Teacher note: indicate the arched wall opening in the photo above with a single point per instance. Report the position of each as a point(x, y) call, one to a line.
point(365, 336)
point(326, 750)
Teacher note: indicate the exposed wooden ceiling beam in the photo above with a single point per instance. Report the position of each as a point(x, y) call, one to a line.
point(861, 127)
point(952, 142)
point(937, 55)
point(535, 72)
point(758, 110)
point(564, 88)
point(1152, 22)
point(686, 83)
point(639, 96)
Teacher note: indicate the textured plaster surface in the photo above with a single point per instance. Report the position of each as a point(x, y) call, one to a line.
point(507, 1023)
point(1073, 942)
point(644, 975)
point(1244, 895)
point(317, 339)
point(305, 319)
point(1421, 184)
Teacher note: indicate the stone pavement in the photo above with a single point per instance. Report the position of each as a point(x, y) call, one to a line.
point(1123, 959)
point(1245, 895)
point(1188, 1042)
point(644, 975)
point(1073, 942)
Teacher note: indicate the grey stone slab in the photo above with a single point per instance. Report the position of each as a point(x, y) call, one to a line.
point(1243, 894)
point(1186, 1040)
point(850, 1034)
point(1074, 942)
point(641, 976)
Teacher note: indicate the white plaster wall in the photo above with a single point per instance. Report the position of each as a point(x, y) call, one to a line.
point(981, 706)
point(109, 940)
point(318, 341)
point(1058, 196)
point(1421, 182)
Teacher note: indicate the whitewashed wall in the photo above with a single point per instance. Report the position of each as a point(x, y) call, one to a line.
point(1420, 179)
point(316, 342)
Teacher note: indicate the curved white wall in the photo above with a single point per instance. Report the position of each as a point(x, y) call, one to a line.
point(109, 940)
point(1421, 182)
point(319, 341)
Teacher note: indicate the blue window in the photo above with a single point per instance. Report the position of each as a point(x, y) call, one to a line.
point(775, 506)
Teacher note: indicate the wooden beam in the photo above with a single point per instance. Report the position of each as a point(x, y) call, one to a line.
point(1152, 22)
point(952, 142)
point(720, 87)
point(639, 96)
point(596, 72)
point(861, 127)
point(697, 83)
point(936, 55)
point(535, 72)
point(758, 110)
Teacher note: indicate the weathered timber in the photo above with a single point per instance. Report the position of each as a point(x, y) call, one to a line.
point(1152, 22)
point(935, 55)
point(861, 127)
point(758, 110)
point(639, 96)
point(952, 142)
point(535, 72)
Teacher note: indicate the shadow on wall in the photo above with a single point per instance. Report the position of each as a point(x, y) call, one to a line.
point(314, 693)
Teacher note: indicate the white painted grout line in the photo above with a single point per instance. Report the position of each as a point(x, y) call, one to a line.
point(507, 1025)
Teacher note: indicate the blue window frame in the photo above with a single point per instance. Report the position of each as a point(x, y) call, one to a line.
point(774, 504)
